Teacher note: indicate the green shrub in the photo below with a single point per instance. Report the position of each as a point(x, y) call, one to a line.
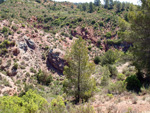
point(97, 60)
point(110, 95)
point(23, 25)
point(133, 83)
point(93, 22)
point(3, 51)
point(105, 76)
point(113, 70)
point(114, 42)
point(117, 87)
point(101, 23)
point(5, 30)
point(79, 19)
point(15, 66)
point(89, 48)
point(14, 27)
point(121, 76)
point(43, 77)
point(57, 105)
point(99, 42)
point(39, 1)
point(31, 102)
point(32, 70)
point(0, 61)
point(108, 35)
point(110, 57)
point(18, 32)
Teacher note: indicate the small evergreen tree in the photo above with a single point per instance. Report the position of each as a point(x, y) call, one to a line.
point(97, 2)
point(106, 4)
point(79, 82)
point(91, 7)
point(118, 6)
point(111, 4)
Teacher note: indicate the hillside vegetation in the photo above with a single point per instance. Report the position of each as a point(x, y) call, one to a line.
point(62, 57)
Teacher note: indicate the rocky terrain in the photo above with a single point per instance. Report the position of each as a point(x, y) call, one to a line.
point(39, 37)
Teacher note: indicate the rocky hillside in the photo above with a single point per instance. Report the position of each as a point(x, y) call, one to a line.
point(36, 36)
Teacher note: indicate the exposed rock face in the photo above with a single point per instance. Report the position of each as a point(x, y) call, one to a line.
point(30, 42)
point(86, 33)
point(56, 58)
point(23, 46)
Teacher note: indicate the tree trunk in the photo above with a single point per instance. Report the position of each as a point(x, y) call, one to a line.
point(78, 98)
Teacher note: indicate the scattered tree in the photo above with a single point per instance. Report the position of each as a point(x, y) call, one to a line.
point(111, 4)
point(137, 31)
point(78, 72)
point(106, 4)
point(97, 2)
point(91, 7)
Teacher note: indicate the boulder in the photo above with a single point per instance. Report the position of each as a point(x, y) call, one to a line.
point(56, 58)
point(23, 46)
point(29, 42)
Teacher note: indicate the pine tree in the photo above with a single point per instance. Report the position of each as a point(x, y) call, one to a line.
point(137, 31)
point(1, 1)
point(79, 82)
point(123, 6)
point(84, 7)
point(111, 4)
point(118, 6)
point(106, 4)
point(97, 2)
point(91, 7)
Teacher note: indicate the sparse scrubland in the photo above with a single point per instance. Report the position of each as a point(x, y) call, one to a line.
point(62, 57)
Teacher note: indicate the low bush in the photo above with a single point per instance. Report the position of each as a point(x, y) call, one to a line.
point(93, 22)
point(117, 87)
point(114, 42)
point(121, 76)
point(57, 105)
point(101, 23)
point(14, 27)
point(113, 70)
point(15, 66)
point(97, 60)
point(108, 35)
point(32, 70)
point(31, 102)
point(89, 48)
point(110, 57)
point(133, 83)
point(105, 76)
point(43, 77)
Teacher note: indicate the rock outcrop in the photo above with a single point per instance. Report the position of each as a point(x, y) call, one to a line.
point(56, 58)
point(29, 42)
point(23, 46)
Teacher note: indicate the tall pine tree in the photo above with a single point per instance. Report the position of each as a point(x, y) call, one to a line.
point(137, 31)
point(97, 2)
point(79, 82)
point(106, 4)
point(91, 7)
